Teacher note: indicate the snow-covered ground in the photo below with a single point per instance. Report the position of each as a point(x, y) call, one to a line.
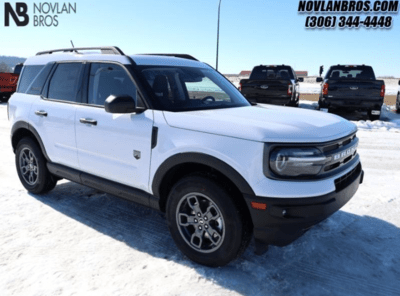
point(78, 241)
point(389, 119)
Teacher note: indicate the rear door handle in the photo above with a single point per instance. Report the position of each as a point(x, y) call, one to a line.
point(41, 113)
point(88, 121)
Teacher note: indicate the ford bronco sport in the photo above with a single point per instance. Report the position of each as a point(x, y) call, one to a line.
point(171, 133)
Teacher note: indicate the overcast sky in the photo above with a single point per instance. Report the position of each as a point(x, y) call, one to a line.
point(252, 32)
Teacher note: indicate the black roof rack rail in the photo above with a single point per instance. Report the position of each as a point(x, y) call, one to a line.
point(176, 55)
point(104, 50)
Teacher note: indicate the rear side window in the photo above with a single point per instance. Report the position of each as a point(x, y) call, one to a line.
point(65, 82)
point(350, 72)
point(108, 79)
point(29, 74)
point(37, 84)
point(271, 72)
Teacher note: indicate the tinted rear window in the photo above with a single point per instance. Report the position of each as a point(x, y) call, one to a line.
point(38, 83)
point(350, 72)
point(265, 73)
point(29, 74)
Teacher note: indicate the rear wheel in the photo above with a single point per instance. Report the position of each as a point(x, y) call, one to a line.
point(205, 222)
point(373, 117)
point(32, 169)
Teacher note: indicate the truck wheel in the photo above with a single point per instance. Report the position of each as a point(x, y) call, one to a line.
point(205, 223)
point(32, 169)
point(373, 117)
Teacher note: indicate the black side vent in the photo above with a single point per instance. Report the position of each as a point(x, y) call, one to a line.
point(346, 179)
point(154, 137)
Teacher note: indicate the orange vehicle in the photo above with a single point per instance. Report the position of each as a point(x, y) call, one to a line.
point(8, 83)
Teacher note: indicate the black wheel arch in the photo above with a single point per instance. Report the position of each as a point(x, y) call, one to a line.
point(182, 164)
point(22, 129)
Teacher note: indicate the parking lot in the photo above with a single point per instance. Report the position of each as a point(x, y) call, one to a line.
point(76, 240)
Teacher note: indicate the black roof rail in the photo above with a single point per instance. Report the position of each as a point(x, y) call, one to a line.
point(176, 55)
point(104, 50)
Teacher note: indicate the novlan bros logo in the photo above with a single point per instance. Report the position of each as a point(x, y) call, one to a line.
point(21, 11)
point(45, 14)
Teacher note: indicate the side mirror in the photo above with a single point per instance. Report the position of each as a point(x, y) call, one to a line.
point(319, 79)
point(121, 104)
point(300, 79)
point(399, 82)
point(321, 70)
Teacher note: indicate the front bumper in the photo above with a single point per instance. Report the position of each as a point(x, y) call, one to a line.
point(286, 219)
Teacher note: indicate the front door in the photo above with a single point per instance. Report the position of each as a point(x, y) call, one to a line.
point(113, 146)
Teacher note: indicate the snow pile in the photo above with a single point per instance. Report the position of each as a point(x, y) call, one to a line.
point(389, 121)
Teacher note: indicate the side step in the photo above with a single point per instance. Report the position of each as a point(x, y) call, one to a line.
point(117, 189)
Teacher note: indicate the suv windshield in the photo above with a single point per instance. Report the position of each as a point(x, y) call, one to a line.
point(188, 88)
point(271, 72)
point(350, 72)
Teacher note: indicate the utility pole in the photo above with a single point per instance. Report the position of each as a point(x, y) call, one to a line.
point(219, 9)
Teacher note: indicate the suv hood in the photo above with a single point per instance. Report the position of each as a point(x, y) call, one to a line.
point(265, 123)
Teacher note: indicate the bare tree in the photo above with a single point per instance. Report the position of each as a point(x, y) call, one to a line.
point(4, 67)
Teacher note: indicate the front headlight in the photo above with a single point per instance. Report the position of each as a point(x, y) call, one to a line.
point(294, 162)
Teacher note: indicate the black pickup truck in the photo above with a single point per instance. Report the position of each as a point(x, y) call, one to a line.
point(276, 85)
point(352, 88)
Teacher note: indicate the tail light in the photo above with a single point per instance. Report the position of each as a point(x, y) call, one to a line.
point(325, 89)
point(289, 90)
point(383, 91)
point(240, 87)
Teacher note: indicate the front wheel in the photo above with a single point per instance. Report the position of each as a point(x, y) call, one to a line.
point(205, 222)
point(32, 169)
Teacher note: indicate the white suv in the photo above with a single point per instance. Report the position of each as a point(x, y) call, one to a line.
point(171, 133)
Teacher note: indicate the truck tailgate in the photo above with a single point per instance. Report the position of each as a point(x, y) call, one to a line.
point(354, 89)
point(258, 89)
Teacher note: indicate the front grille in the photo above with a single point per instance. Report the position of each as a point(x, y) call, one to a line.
point(339, 153)
point(346, 179)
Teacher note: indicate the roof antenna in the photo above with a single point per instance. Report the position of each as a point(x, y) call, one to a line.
point(73, 46)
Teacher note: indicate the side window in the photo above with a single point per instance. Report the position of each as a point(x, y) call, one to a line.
point(65, 82)
point(37, 84)
point(108, 79)
point(28, 75)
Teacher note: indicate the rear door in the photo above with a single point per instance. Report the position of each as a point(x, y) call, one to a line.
point(116, 147)
point(53, 113)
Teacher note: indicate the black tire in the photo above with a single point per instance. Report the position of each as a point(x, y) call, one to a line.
point(38, 180)
point(4, 98)
point(373, 117)
point(231, 231)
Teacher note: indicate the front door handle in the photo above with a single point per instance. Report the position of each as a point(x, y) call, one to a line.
point(41, 113)
point(88, 121)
